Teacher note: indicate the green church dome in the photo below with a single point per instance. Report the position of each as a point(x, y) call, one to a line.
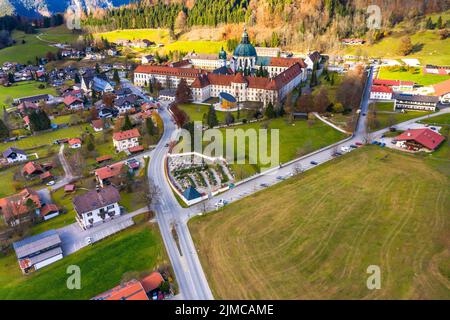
point(245, 48)
point(222, 54)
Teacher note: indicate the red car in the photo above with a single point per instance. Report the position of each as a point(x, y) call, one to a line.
point(358, 144)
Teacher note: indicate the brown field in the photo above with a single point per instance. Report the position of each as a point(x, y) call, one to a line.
point(318, 233)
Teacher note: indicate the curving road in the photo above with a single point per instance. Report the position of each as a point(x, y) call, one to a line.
point(186, 264)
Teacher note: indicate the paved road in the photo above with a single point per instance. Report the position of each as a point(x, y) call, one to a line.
point(186, 264)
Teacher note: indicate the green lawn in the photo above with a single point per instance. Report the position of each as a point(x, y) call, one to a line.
point(27, 52)
point(162, 36)
point(47, 137)
point(414, 74)
point(429, 48)
point(315, 235)
point(21, 89)
point(196, 112)
point(58, 34)
point(443, 119)
point(385, 116)
point(102, 265)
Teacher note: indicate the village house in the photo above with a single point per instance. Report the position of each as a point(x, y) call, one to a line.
point(73, 103)
point(147, 59)
point(74, 143)
point(124, 104)
point(124, 140)
point(20, 207)
point(38, 251)
point(131, 290)
point(13, 155)
point(381, 93)
point(97, 124)
point(312, 58)
point(419, 140)
point(110, 174)
point(32, 168)
point(97, 206)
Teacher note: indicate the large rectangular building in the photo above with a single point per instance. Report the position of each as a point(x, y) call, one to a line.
point(415, 102)
point(38, 251)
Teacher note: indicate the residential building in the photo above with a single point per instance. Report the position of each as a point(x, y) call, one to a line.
point(97, 206)
point(442, 91)
point(381, 93)
point(125, 104)
point(147, 59)
point(124, 140)
point(419, 140)
point(396, 85)
point(35, 99)
point(97, 125)
point(131, 290)
point(110, 174)
point(73, 103)
point(32, 168)
point(74, 143)
point(415, 102)
point(13, 155)
point(20, 207)
point(38, 251)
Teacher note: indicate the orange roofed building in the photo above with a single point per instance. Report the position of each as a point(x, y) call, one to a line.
point(105, 175)
point(125, 140)
point(132, 290)
point(17, 208)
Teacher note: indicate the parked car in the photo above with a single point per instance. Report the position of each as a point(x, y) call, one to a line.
point(433, 128)
point(382, 145)
point(264, 185)
point(393, 141)
point(280, 178)
point(353, 146)
point(336, 154)
point(345, 149)
point(133, 164)
point(358, 143)
point(88, 240)
point(314, 163)
point(50, 183)
point(392, 129)
point(221, 203)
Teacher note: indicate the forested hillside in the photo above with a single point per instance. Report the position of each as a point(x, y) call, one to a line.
point(320, 23)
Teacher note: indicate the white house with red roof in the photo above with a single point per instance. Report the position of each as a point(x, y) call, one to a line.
point(395, 85)
point(74, 143)
point(423, 139)
point(381, 93)
point(125, 140)
point(73, 103)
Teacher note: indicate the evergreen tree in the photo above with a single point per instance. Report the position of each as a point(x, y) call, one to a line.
point(429, 24)
point(212, 117)
point(4, 131)
point(184, 92)
point(229, 118)
point(150, 126)
point(127, 125)
point(439, 23)
point(270, 112)
point(116, 77)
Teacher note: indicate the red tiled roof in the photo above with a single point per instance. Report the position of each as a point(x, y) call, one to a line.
point(381, 89)
point(46, 175)
point(442, 88)
point(31, 167)
point(49, 208)
point(129, 134)
point(103, 158)
point(169, 71)
point(426, 137)
point(109, 171)
point(239, 78)
point(74, 141)
point(136, 149)
point(383, 82)
point(98, 124)
point(131, 290)
point(152, 281)
point(286, 62)
point(15, 205)
point(71, 99)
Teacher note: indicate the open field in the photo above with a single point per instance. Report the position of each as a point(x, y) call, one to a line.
point(22, 53)
point(47, 137)
point(415, 74)
point(429, 49)
point(102, 265)
point(443, 119)
point(58, 34)
point(313, 240)
point(161, 36)
point(21, 89)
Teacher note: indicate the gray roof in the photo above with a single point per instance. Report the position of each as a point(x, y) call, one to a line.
point(96, 199)
point(34, 98)
point(45, 255)
point(36, 243)
point(416, 98)
point(11, 150)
